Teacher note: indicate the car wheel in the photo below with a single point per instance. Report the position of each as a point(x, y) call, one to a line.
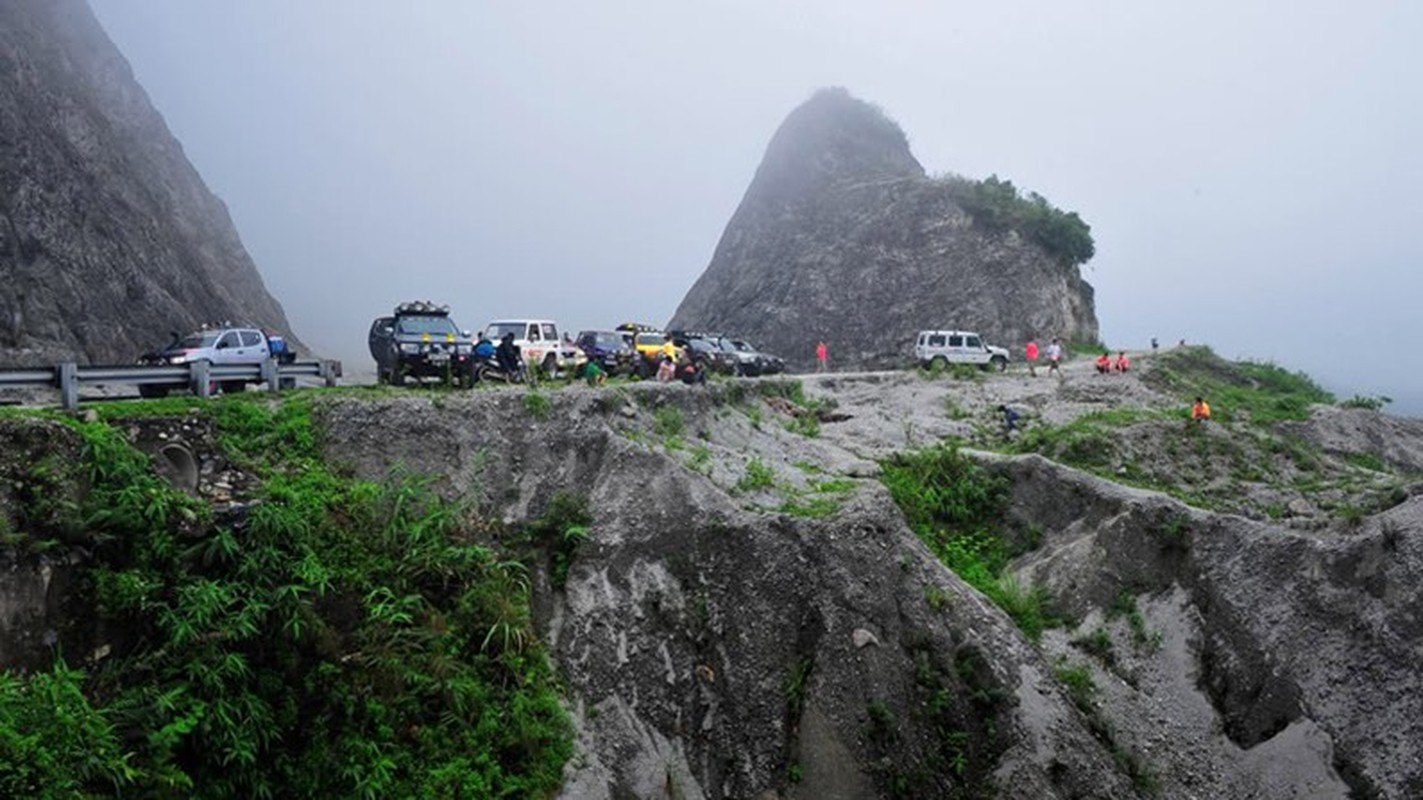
point(1000, 363)
point(939, 363)
point(233, 387)
point(397, 377)
point(150, 392)
point(550, 365)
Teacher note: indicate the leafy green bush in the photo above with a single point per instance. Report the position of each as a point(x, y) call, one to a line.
point(342, 638)
point(956, 507)
point(759, 475)
point(667, 421)
point(537, 404)
point(1366, 402)
point(997, 206)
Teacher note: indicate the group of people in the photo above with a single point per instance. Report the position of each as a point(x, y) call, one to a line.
point(1054, 357)
point(1105, 363)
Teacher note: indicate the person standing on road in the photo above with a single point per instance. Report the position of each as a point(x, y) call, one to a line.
point(1031, 353)
point(822, 356)
point(1054, 358)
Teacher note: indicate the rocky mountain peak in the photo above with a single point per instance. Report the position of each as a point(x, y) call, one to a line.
point(109, 238)
point(832, 138)
point(842, 238)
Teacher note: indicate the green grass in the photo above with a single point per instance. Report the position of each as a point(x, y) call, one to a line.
point(667, 421)
point(345, 639)
point(956, 509)
point(758, 476)
point(1261, 392)
point(537, 404)
point(810, 507)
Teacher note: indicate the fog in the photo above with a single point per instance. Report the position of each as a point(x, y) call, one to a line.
point(1250, 171)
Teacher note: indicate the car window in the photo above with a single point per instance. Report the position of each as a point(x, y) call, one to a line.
point(229, 339)
point(251, 338)
point(936, 340)
point(743, 346)
point(701, 345)
point(610, 341)
point(649, 339)
point(550, 332)
point(194, 341)
point(955, 341)
point(974, 342)
point(414, 325)
point(497, 330)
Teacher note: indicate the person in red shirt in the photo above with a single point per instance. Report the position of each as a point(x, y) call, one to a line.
point(822, 355)
point(1031, 351)
point(1104, 364)
point(1122, 363)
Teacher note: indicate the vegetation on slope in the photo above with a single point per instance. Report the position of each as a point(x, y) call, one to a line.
point(956, 507)
point(998, 206)
point(337, 638)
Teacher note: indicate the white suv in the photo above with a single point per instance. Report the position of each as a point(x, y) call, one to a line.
point(539, 343)
point(958, 347)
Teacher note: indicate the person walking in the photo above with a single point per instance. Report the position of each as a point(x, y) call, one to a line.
point(1054, 358)
point(1031, 353)
point(822, 356)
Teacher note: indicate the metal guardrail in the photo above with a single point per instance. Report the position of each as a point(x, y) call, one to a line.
point(199, 376)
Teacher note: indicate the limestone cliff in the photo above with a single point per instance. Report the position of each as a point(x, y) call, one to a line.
point(108, 237)
point(842, 237)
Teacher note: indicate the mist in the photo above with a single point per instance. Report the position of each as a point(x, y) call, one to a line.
point(1249, 174)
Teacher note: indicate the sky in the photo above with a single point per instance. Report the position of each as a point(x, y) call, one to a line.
point(1251, 171)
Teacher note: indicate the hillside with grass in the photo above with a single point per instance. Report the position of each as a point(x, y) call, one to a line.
point(841, 585)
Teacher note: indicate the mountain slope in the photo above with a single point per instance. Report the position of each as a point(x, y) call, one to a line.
point(108, 237)
point(841, 237)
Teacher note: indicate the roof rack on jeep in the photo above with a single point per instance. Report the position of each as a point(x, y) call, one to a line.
point(637, 327)
point(421, 307)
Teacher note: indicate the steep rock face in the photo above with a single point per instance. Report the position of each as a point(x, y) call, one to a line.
point(715, 652)
point(841, 237)
point(108, 237)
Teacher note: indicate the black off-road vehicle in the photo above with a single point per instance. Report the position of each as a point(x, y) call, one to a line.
point(421, 341)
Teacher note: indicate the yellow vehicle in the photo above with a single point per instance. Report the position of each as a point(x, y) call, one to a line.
point(645, 339)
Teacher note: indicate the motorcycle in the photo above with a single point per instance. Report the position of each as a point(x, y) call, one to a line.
point(488, 368)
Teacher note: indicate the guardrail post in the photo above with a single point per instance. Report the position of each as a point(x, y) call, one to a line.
point(269, 374)
point(69, 386)
point(199, 372)
point(330, 370)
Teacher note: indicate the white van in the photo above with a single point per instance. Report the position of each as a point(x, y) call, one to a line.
point(943, 348)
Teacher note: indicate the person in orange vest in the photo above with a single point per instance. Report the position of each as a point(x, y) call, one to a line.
point(1122, 363)
point(1200, 412)
point(1031, 351)
point(1104, 364)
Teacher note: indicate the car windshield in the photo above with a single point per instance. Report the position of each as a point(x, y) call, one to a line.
point(422, 325)
point(193, 341)
point(496, 330)
point(609, 341)
point(727, 346)
point(701, 345)
point(646, 339)
point(744, 347)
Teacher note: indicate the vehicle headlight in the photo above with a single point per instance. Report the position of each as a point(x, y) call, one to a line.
point(177, 359)
point(409, 347)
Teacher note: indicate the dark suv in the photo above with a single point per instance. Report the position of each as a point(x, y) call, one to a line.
point(609, 349)
point(706, 350)
point(421, 341)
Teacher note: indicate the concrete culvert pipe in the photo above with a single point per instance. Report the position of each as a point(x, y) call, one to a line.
point(176, 463)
